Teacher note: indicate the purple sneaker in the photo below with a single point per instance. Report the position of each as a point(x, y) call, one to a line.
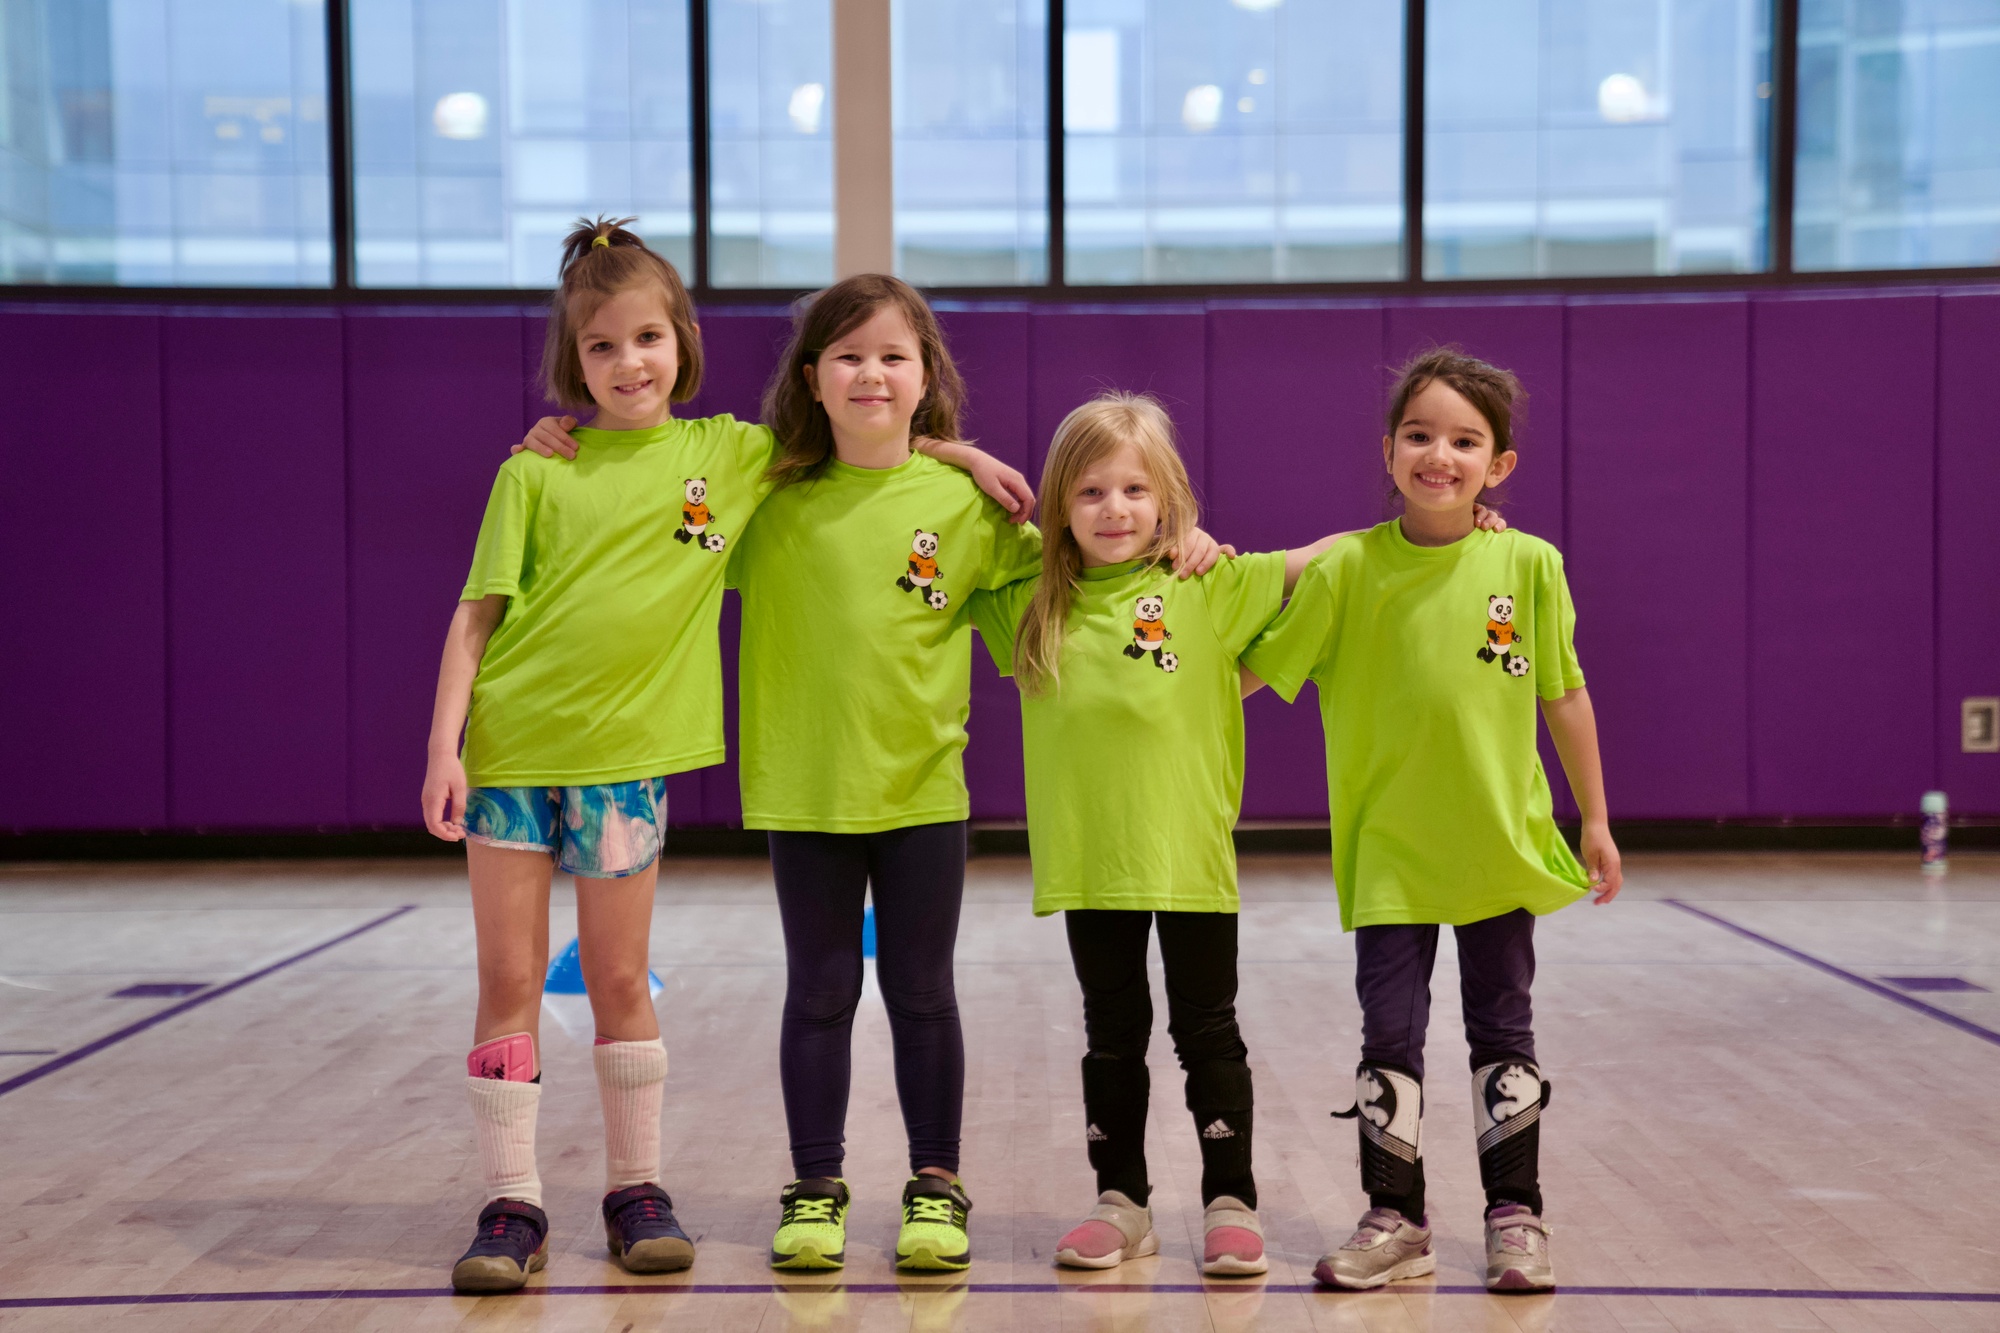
point(639, 1226)
point(513, 1242)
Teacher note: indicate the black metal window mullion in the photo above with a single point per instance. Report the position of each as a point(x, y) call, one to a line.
point(1057, 234)
point(1781, 171)
point(698, 141)
point(1413, 141)
point(339, 147)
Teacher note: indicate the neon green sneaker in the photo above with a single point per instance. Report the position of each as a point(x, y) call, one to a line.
point(812, 1231)
point(933, 1234)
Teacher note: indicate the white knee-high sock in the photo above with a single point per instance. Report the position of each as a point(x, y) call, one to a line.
point(631, 1076)
point(503, 1119)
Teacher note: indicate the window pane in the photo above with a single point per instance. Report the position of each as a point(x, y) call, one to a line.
point(1899, 134)
point(178, 142)
point(1232, 140)
point(771, 127)
point(971, 104)
point(1578, 137)
point(483, 128)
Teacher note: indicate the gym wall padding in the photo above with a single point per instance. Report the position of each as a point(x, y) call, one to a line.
point(234, 538)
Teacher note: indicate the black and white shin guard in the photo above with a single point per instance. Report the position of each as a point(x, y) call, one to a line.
point(1389, 1110)
point(1507, 1102)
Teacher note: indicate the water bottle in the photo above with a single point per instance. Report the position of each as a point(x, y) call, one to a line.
point(1932, 833)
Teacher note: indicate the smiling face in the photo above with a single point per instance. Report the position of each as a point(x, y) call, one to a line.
point(1113, 511)
point(1441, 455)
point(1149, 608)
point(630, 358)
point(871, 379)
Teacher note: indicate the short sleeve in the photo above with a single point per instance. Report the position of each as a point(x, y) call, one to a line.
point(996, 614)
point(1288, 653)
point(1555, 630)
point(1013, 550)
point(756, 450)
point(1243, 596)
point(501, 551)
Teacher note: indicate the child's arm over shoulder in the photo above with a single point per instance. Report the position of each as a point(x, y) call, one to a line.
point(1003, 484)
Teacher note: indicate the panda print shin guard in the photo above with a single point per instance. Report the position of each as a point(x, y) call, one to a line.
point(1389, 1108)
point(1507, 1102)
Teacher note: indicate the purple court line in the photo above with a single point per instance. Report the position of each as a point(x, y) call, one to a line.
point(1945, 1016)
point(68, 1058)
point(977, 1289)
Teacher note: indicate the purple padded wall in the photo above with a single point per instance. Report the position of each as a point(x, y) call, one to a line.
point(1968, 541)
point(1842, 445)
point(1658, 545)
point(82, 541)
point(256, 569)
point(1294, 440)
point(1159, 350)
point(1525, 335)
point(432, 404)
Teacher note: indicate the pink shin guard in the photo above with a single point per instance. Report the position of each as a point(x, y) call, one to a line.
point(510, 1059)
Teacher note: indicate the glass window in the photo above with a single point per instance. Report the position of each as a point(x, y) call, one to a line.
point(176, 142)
point(771, 135)
point(1577, 137)
point(484, 128)
point(1232, 140)
point(1899, 134)
point(971, 113)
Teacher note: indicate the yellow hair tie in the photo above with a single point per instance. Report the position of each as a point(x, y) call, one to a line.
point(604, 241)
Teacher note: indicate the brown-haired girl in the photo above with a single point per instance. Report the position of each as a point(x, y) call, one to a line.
point(1114, 657)
point(583, 667)
point(856, 677)
point(1431, 642)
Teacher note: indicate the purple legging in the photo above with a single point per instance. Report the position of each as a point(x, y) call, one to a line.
point(1496, 969)
point(917, 876)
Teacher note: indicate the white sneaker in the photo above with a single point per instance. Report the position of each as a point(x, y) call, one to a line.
point(1385, 1247)
point(1232, 1242)
point(1116, 1230)
point(1517, 1250)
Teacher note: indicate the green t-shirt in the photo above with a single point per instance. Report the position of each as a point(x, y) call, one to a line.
point(1135, 758)
point(605, 667)
point(856, 668)
point(1428, 661)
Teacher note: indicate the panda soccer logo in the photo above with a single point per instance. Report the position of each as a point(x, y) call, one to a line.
point(923, 574)
point(695, 518)
point(1150, 634)
point(1503, 637)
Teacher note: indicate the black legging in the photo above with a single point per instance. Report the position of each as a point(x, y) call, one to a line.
point(917, 875)
point(1198, 951)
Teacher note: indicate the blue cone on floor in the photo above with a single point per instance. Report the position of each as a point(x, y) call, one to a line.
point(566, 973)
point(868, 933)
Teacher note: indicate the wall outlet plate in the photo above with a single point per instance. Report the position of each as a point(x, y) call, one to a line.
point(1979, 726)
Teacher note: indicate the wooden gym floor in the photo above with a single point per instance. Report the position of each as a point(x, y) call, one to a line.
point(1751, 1127)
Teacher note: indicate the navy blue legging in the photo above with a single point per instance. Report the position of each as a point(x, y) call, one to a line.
point(1496, 973)
point(917, 876)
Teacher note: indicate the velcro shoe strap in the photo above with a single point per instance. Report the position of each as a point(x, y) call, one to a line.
point(1228, 1211)
point(1132, 1220)
point(516, 1208)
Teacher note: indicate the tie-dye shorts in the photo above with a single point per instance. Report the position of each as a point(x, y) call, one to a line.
point(602, 832)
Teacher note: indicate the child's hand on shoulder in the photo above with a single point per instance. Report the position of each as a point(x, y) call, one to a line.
point(549, 438)
point(1482, 517)
point(1198, 554)
point(1602, 862)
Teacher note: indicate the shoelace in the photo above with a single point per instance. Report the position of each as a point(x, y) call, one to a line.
point(809, 1208)
point(931, 1208)
point(644, 1210)
point(508, 1227)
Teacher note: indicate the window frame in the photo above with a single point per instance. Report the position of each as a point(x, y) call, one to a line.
point(1781, 166)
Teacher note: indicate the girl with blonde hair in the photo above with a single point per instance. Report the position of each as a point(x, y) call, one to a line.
point(1132, 724)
